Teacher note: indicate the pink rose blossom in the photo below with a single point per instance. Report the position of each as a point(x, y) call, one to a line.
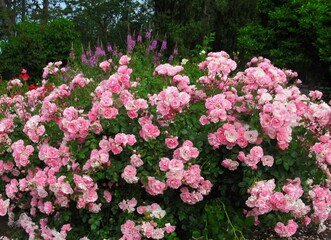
point(104, 65)
point(230, 164)
point(48, 207)
point(154, 186)
point(124, 60)
point(136, 161)
point(267, 160)
point(164, 164)
point(107, 195)
point(129, 174)
point(286, 231)
point(172, 142)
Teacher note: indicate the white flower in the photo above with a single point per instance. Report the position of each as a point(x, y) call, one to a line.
point(184, 61)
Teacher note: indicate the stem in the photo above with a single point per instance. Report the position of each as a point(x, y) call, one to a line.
point(230, 223)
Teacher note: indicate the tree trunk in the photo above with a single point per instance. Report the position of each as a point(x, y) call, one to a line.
point(23, 10)
point(44, 15)
point(5, 16)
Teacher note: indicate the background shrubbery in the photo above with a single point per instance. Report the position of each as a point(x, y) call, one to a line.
point(32, 47)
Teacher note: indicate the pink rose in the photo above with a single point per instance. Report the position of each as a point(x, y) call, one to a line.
point(48, 207)
point(121, 138)
point(154, 186)
point(231, 165)
point(291, 228)
point(110, 113)
point(149, 131)
point(306, 221)
point(164, 164)
point(124, 60)
point(267, 160)
point(204, 120)
point(104, 65)
point(279, 202)
point(171, 142)
point(168, 228)
point(256, 152)
point(136, 161)
point(276, 122)
point(176, 165)
point(174, 183)
point(106, 99)
point(129, 174)
point(107, 195)
point(328, 158)
point(251, 136)
point(4, 207)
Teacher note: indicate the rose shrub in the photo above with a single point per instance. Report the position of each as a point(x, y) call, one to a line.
point(124, 151)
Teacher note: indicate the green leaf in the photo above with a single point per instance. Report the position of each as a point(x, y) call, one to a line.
point(286, 165)
point(279, 161)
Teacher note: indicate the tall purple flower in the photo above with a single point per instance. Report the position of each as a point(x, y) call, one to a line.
point(139, 38)
point(99, 52)
point(84, 59)
point(164, 45)
point(109, 48)
point(153, 45)
point(130, 43)
point(148, 34)
point(88, 53)
point(93, 61)
point(175, 52)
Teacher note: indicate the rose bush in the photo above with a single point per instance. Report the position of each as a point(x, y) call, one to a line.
point(127, 152)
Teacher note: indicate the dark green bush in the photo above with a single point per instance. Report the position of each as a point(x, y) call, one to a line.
point(32, 47)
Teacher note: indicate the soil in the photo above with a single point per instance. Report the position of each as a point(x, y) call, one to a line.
point(303, 233)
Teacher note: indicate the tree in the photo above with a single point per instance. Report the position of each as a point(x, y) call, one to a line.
point(8, 14)
point(107, 21)
point(293, 34)
point(187, 22)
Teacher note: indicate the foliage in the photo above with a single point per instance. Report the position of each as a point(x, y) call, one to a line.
point(292, 34)
point(132, 148)
point(186, 23)
point(26, 50)
point(32, 47)
point(107, 21)
point(59, 37)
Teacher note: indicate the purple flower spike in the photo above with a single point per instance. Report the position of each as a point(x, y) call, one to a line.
point(164, 45)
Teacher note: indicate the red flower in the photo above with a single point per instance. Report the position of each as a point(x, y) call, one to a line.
point(24, 76)
point(32, 86)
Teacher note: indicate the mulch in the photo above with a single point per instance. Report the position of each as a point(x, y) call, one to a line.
point(303, 233)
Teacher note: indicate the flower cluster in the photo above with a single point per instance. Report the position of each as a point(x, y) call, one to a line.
point(21, 153)
point(80, 81)
point(52, 68)
point(148, 226)
point(219, 65)
point(167, 70)
point(14, 83)
point(177, 176)
point(170, 101)
point(265, 199)
point(87, 188)
point(33, 129)
point(321, 202)
point(288, 230)
point(322, 150)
